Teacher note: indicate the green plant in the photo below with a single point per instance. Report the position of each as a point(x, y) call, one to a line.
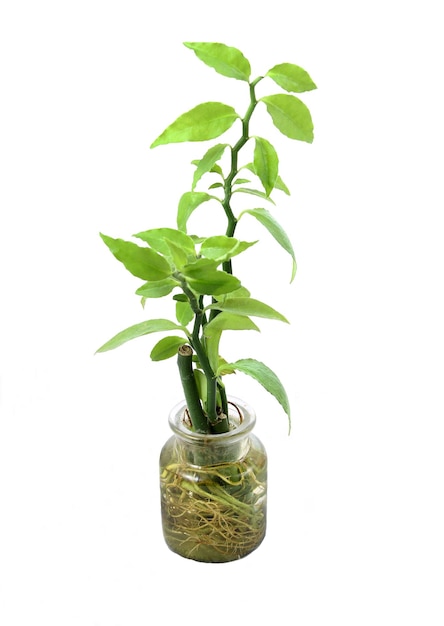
point(198, 272)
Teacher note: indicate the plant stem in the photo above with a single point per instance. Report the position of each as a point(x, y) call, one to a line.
point(218, 424)
point(223, 397)
point(217, 419)
point(185, 364)
point(228, 187)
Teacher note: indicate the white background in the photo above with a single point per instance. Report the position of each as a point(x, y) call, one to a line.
point(356, 513)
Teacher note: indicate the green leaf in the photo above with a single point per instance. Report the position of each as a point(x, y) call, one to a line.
point(276, 230)
point(139, 330)
point(205, 121)
point(213, 332)
point(265, 376)
point(166, 348)
point(249, 167)
point(157, 289)
point(224, 59)
point(201, 382)
point(214, 283)
point(254, 192)
point(203, 277)
point(242, 292)
point(184, 313)
point(208, 161)
point(199, 268)
point(189, 201)
point(216, 169)
point(174, 244)
point(220, 248)
point(141, 262)
point(242, 246)
point(290, 116)
point(281, 186)
point(158, 239)
point(228, 321)
point(291, 77)
point(266, 163)
point(247, 306)
point(178, 255)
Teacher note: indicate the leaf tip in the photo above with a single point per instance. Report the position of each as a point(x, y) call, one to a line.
point(294, 270)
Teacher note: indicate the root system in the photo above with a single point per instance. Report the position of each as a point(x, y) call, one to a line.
point(216, 513)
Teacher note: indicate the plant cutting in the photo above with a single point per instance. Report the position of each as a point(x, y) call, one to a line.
point(213, 468)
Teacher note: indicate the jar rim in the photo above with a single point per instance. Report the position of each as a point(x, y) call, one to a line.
point(242, 416)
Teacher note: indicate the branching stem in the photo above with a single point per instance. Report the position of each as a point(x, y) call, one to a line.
point(228, 186)
point(195, 340)
point(217, 417)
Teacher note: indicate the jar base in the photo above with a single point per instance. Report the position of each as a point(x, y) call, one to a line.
point(187, 548)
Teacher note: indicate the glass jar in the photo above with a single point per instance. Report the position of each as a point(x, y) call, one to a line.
point(214, 488)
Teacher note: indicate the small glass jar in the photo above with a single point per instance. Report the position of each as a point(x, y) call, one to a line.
point(214, 488)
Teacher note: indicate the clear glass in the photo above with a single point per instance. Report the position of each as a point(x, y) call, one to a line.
point(214, 488)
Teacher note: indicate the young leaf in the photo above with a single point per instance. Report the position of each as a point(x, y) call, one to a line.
point(254, 192)
point(201, 382)
point(203, 277)
point(266, 163)
point(220, 248)
point(139, 330)
point(281, 186)
point(200, 267)
point(208, 161)
point(224, 59)
point(214, 283)
point(189, 201)
point(213, 332)
point(216, 169)
point(275, 229)
point(158, 239)
point(141, 262)
point(242, 246)
point(229, 321)
point(205, 121)
point(166, 348)
point(291, 78)
point(247, 306)
point(157, 288)
point(184, 313)
point(265, 376)
point(241, 292)
point(290, 116)
point(178, 255)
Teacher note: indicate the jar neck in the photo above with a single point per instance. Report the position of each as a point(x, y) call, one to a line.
point(201, 448)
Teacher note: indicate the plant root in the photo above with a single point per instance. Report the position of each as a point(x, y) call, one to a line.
point(216, 513)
